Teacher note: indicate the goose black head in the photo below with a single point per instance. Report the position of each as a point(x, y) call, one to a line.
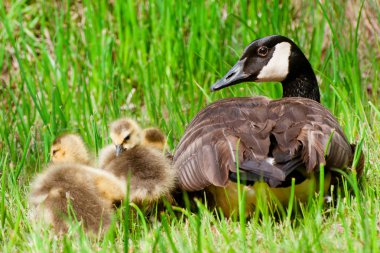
point(274, 59)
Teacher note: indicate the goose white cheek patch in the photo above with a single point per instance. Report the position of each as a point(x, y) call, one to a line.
point(277, 68)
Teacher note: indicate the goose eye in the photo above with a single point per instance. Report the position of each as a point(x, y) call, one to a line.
point(126, 138)
point(55, 151)
point(262, 51)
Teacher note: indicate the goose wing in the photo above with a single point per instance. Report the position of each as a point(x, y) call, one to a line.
point(268, 139)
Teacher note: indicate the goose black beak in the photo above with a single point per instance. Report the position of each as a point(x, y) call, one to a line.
point(234, 76)
point(119, 149)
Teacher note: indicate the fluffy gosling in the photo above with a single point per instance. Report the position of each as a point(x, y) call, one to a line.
point(69, 184)
point(149, 173)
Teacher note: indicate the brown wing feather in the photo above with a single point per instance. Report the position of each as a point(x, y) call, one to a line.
point(257, 128)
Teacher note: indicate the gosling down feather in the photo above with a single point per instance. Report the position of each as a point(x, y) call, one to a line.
point(69, 184)
point(69, 148)
point(149, 173)
point(148, 137)
point(153, 137)
point(272, 141)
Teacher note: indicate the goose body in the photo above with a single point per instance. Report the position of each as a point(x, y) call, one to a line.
point(68, 183)
point(271, 141)
point(148, 172)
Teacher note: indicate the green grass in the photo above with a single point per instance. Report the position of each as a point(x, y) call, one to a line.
point(72, 66)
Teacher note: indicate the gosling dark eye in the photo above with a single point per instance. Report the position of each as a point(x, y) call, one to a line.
point(55, 151)
point(126, 138)
point(262, 51)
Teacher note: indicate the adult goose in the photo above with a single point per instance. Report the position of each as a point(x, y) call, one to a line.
point(272, 141)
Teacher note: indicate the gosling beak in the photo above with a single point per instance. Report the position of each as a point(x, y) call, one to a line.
point(234, 76)
point(119, 149)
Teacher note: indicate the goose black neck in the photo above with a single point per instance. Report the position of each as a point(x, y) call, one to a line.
point(301, 80)
point(301, 86)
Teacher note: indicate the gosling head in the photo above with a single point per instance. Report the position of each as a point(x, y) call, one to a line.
point(125, 134)
point(69, 148)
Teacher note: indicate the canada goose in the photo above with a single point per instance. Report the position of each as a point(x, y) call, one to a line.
point(275, 140)
point(149, 173)
point(68, 183)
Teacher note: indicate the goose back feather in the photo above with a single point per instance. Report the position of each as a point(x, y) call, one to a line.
point(268, 139)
